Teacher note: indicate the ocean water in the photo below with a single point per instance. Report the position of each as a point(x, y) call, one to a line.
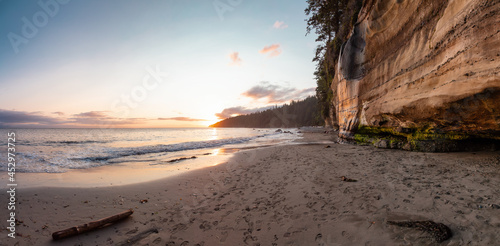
point(62, 150)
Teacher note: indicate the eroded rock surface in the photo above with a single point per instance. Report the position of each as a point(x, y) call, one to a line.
point(421, 70)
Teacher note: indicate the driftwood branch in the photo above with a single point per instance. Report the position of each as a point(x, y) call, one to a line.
point(91, 225)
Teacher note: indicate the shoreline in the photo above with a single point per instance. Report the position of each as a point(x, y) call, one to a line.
point(287, 195)
point(130, 173)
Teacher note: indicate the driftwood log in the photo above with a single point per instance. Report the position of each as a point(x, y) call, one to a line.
point(91, 225)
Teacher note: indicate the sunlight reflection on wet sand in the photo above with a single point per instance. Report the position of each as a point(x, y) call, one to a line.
point(121, 173)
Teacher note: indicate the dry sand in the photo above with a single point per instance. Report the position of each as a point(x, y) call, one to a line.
point(285, 195)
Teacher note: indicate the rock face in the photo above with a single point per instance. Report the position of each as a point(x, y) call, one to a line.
point(421, 74)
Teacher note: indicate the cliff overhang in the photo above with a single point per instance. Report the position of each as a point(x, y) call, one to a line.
point(421, 75)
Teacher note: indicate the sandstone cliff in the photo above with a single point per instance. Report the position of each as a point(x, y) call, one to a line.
point(421, 74)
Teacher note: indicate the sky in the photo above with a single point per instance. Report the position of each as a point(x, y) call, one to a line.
point(172, 63)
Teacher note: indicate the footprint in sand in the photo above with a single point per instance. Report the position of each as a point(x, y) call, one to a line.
point(132, 231)
point(223, 236)
point(179, 227)
point(205, 226)
point(347, 235)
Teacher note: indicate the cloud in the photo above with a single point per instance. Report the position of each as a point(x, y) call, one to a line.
point(11, 119)
point(267, 90)
point(273, 50)
point(280, 25)
point(276, 93)
point(102, 119)
point(272, 93)
point(182, 119)
point(235, 59)
point(230, 112)
point(92, 114)
point(305, 92)
point(20, 119)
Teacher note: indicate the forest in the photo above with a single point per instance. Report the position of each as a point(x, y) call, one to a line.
point(331, 21)
point(294, 114)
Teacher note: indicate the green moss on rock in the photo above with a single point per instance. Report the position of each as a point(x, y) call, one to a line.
point(424, 138)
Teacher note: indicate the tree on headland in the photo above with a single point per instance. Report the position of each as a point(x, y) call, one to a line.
point(294, 114)
point(332, 21)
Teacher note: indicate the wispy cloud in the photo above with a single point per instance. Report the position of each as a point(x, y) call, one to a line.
point(280, 25)
point(272, 50)
point(234, 111)
point(182, 119)
point(20, 119)
point(271, 93)
point(101, 118)
point(235, 59)
point(276, 93)
point(11, 118)
point(92, 114)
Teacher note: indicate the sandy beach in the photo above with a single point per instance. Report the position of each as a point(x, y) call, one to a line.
point(283, 195)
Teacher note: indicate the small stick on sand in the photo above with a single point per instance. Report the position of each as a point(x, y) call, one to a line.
point(345, 179)
point(91, 225)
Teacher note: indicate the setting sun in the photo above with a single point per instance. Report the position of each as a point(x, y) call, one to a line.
point(189, 63)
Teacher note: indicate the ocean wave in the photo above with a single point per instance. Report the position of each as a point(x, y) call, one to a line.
point(57, 156)
point(33, 163)
point(75, 142)
point(95, 156)
point(143, 150)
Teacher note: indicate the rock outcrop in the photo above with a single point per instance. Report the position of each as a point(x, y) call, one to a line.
point(421, 74)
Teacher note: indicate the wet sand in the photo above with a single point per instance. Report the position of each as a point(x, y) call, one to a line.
point(284, 195)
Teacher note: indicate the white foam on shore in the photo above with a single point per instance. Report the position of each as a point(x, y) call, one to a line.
point(51, 158)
